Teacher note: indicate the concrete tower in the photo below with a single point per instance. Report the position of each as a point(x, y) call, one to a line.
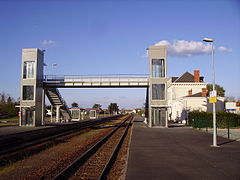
point(32, 92)
point(158, 87)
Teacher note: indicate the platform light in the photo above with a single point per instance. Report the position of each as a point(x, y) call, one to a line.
point(213, 85)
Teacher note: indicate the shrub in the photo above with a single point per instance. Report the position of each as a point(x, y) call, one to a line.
point(204, 119)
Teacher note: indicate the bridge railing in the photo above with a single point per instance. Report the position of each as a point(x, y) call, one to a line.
point(50, 78)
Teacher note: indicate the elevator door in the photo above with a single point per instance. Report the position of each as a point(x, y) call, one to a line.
point(27, 117)
point(159, 117)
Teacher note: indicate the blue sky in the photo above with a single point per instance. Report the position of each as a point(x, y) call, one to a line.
point(111, 37)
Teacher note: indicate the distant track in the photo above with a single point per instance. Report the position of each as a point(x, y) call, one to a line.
point(21, 141)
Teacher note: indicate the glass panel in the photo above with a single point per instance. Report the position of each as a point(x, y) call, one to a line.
point(28, 92)
point(75, 114)
point(158, 117)
point(27, 117)
point(24, 70)
point(158, 91)
point(92, 114)
point(158, 68)
point(28, 69)
point(162, 118)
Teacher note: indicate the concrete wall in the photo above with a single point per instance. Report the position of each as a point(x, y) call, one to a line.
point(220, 105)
point(157, 52)
point(36, 104)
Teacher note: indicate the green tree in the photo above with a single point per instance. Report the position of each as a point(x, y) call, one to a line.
point(8, 105)
point(220, 90)
point(113, 108)
point(97, 106)
point(74, 104)
point(3, 98)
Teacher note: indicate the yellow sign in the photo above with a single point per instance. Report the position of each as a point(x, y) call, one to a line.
point(212, 99)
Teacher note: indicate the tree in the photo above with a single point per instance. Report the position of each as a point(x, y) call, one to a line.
point(220, 90)
point(3, 98)
point(8, 105)
point(97, 106)
point(113, 108)
point(230, 99)
point(74, 104)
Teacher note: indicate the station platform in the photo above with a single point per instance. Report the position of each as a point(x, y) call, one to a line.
point(4, 131)
point(180, 153)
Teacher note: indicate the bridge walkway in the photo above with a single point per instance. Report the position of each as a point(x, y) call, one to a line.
point(93, 81)
point(180, 153)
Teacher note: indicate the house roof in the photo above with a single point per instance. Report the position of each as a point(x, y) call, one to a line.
point(196, 95)
point(186, 77)
point(174, 78)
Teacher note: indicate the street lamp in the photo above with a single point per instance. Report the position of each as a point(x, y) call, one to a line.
point(53, 65)
point(213, 93)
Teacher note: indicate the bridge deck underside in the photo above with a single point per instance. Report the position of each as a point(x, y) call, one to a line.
point(99, 83)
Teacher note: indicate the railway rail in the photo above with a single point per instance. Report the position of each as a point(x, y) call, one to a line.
point(97, 161)
point(22, 141)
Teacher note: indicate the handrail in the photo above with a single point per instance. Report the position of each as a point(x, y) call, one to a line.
point(103, 76)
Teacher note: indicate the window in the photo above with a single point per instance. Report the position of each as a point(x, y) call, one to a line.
point(28, 92)
point(158, 68)
point(158, 91)
point(28, 69)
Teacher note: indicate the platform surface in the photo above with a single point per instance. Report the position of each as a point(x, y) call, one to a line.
point(17, 129)
point(180, 153)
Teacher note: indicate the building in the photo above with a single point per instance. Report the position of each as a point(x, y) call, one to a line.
point(186, 93)
point(233, 107)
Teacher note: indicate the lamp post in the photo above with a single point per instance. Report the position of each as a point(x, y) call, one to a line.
point(214, 93)
point(53, 65)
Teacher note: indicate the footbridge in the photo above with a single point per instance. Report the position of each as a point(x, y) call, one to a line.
point(35, 86)
point(97, 81)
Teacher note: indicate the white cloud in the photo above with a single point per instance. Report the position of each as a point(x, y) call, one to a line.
point(47, 42)
point(182, 48)
point(224, 49)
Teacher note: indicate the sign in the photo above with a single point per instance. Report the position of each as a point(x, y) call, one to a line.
point(213, 93)
point(212, 99)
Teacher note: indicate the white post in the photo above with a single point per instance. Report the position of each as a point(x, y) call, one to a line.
point(215, 94)
point(214, 104)
point(51, 113)
point(58, 113)
point(43, 106)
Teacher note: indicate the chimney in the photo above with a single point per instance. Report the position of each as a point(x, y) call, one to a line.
point(204, 92)
point(190, 92)
point(196, 76)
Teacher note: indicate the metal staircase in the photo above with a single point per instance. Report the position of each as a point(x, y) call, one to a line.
point(56, 99)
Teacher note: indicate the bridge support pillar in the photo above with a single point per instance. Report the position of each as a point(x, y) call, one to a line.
point(51, 113)
point(58, 113)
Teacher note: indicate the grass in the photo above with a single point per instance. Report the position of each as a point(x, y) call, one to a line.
point(12, 121)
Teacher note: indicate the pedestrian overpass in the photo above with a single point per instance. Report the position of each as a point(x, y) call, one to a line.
point(35, 86)
point(97, 81)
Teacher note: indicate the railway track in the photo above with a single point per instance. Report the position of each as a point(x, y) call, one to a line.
point(18, 144)
point(97, 161)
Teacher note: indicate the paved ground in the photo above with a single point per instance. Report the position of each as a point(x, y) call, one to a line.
point(180, 153)
point(17, 129)
point(234, 133)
